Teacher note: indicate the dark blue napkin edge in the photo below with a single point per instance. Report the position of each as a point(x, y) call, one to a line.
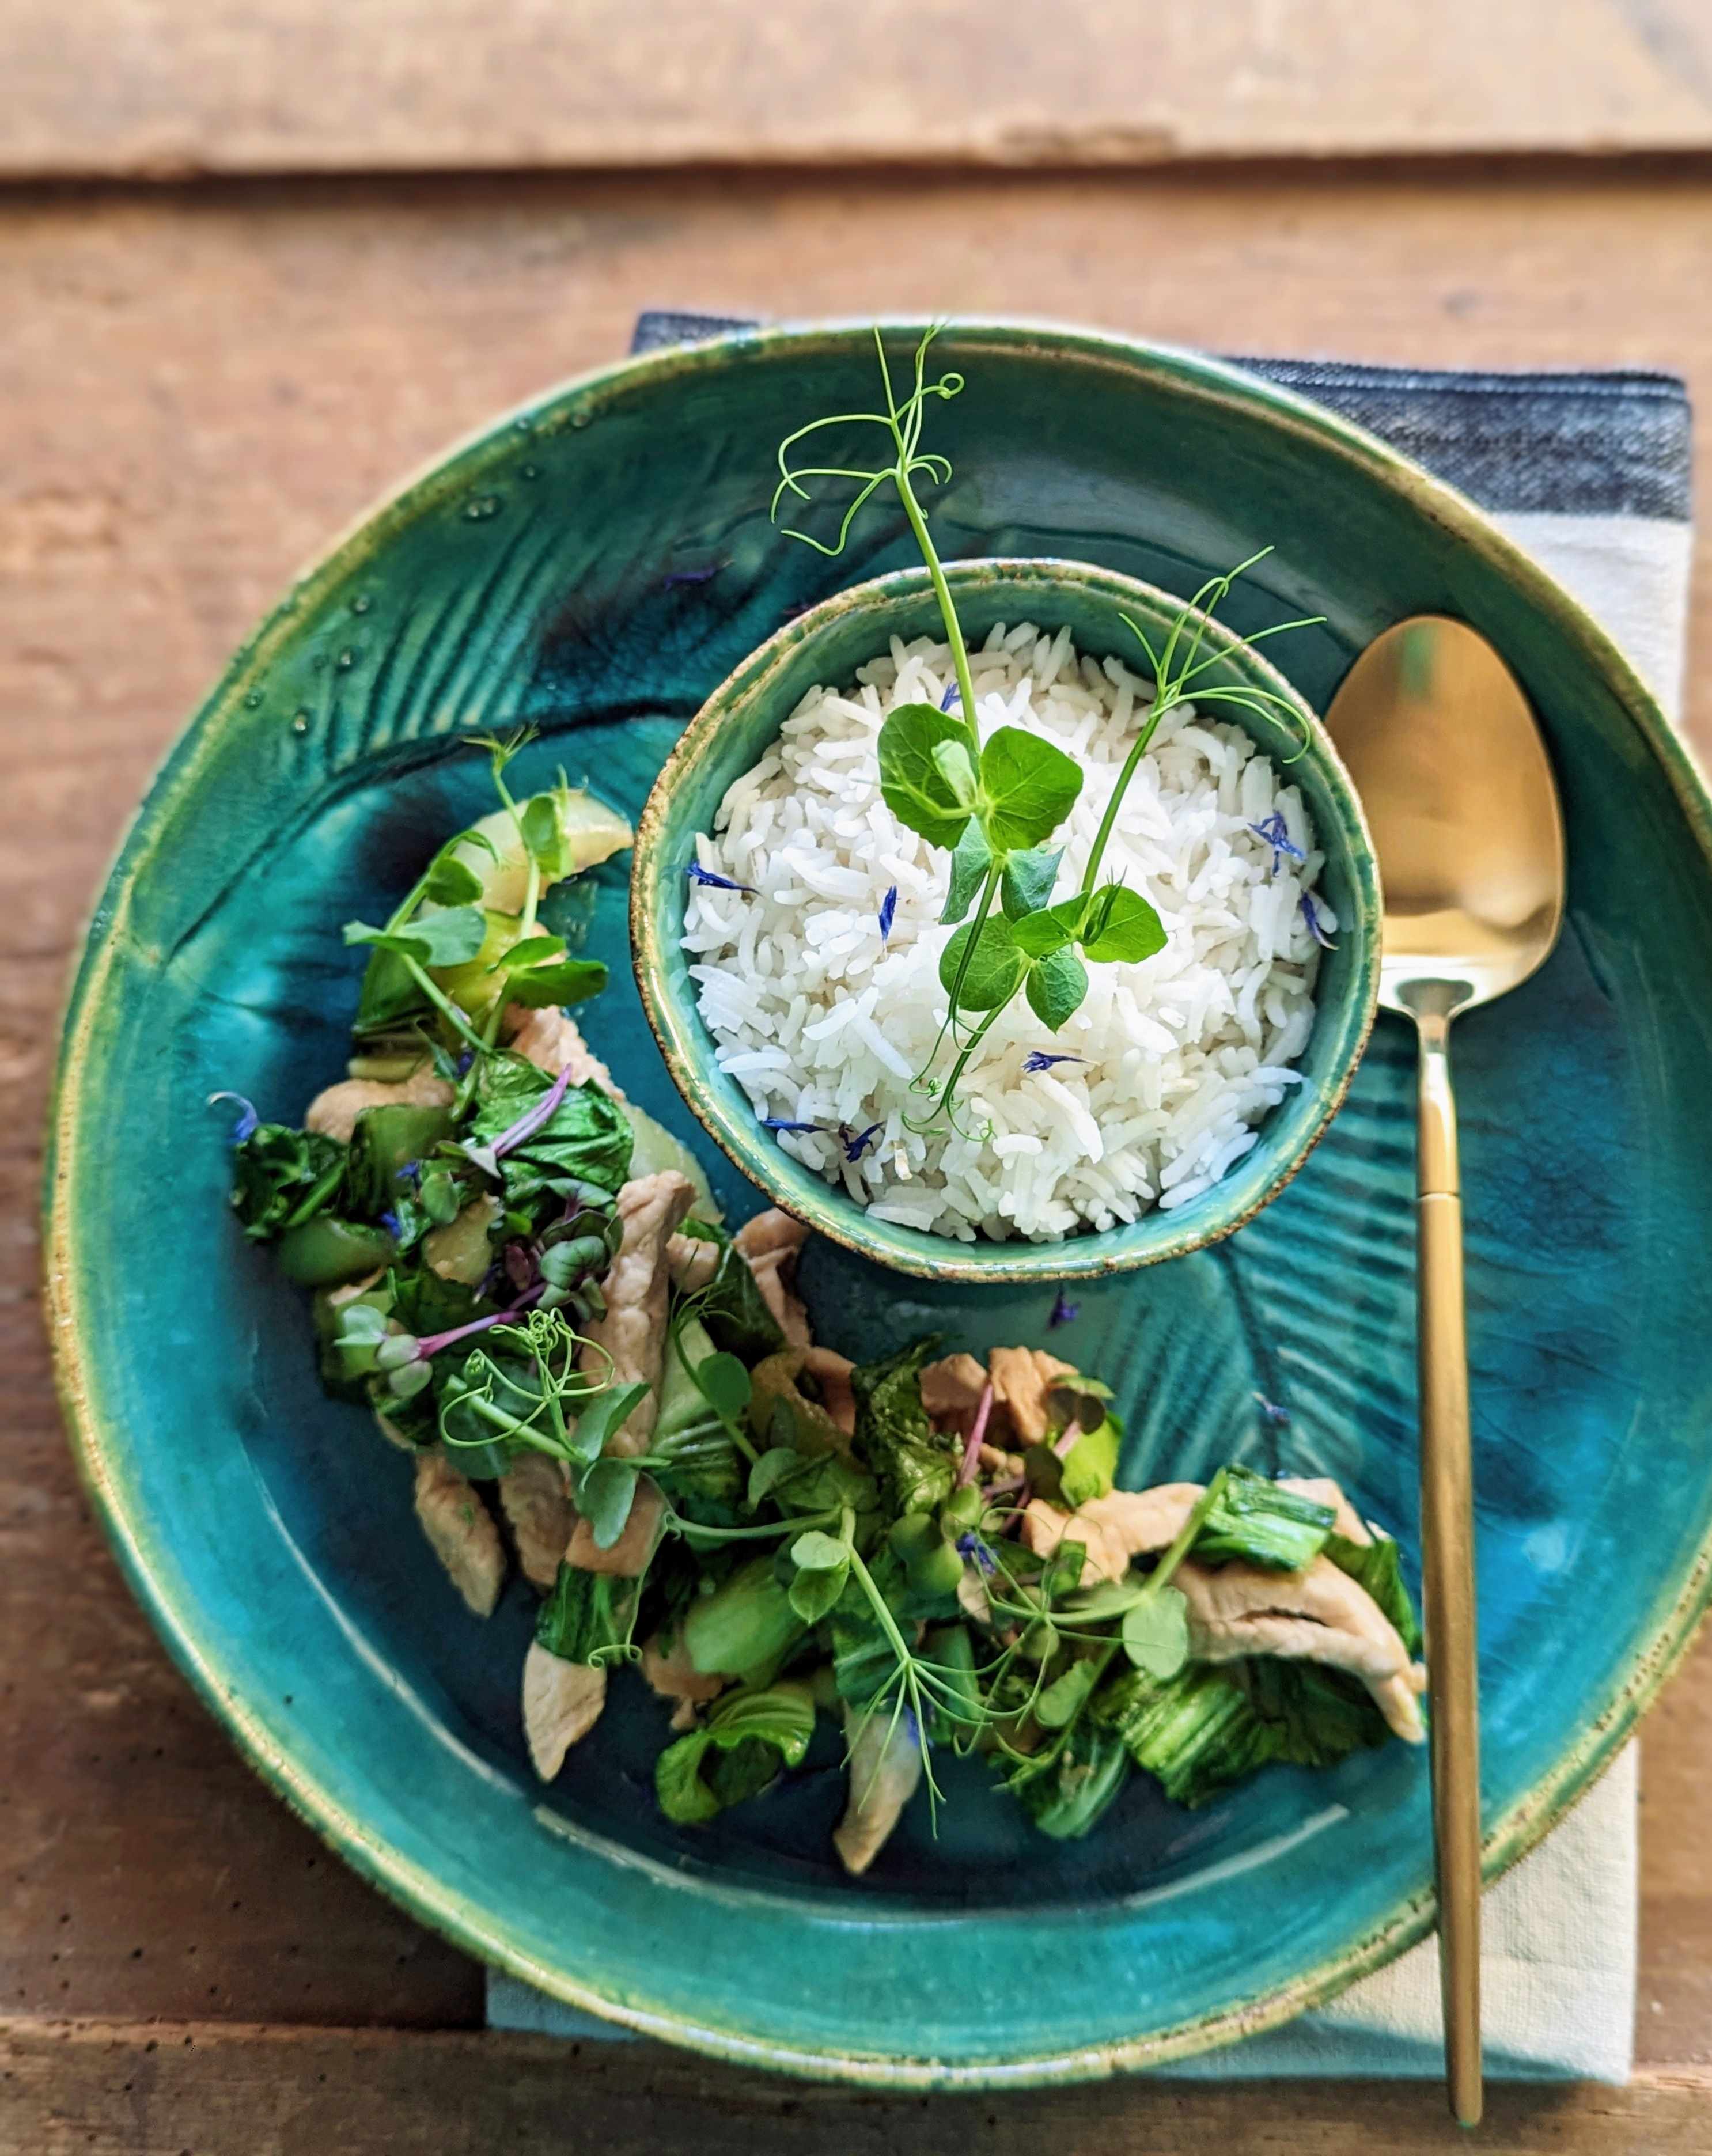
point(1615, 442)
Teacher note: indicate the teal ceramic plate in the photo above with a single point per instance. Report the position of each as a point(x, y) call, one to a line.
point(557, 570)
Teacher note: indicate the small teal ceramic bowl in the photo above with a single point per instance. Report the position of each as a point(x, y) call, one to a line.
point(740, 721)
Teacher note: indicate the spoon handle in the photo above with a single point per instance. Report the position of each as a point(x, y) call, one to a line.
point(1448, 1564)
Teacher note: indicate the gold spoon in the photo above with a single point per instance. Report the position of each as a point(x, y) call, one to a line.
point(1449, 761)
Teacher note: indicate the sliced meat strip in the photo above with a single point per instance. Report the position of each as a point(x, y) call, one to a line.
point(1022, 1379)
point(533, 1496)
point(630, 1340)
point(561, 1703)
point(1318, 1614)
point(334, 1110)
point(461, 1530)
point(1122, 1525)
point(553, 1044)
point(672, 1675)
point(884, 1767)
point(832, 1371)
point(952, 1387)
point(691, 1262)
point(770, 1242)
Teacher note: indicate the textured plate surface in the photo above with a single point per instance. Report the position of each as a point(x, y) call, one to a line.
point(539, 573)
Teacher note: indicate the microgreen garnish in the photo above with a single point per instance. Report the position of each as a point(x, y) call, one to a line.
point(248, 1122)
point(1063, 1311)
point(994, 804)
point(888, 913)
point(856, 1146)
point(696, 873)
point(1277, 834)
point(1316, 926)
point(1038, 1059)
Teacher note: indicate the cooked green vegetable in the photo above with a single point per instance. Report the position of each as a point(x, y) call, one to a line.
point(738, 1751)
point(1263, 1523)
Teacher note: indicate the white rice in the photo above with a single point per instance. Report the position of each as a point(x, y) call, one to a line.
point(822, 1021)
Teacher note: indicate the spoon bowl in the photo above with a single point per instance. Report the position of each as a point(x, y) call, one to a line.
point(1444, 751)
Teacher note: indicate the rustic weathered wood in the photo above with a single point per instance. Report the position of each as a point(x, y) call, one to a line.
point(153, 87)
point(200, 386)
point(169, 2091)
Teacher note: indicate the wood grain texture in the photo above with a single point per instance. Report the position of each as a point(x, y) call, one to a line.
point(170, 2091)
point(198, 387)
point(168, 87)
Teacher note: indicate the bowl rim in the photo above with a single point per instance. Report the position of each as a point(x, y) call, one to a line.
point(98, 1444)
point(920, 1252)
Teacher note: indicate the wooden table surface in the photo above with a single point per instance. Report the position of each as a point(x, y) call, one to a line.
point(204, 379)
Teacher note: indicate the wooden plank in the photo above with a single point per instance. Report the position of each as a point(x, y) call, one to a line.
point(154, 87)
point(162, 2090)
point(202, 387)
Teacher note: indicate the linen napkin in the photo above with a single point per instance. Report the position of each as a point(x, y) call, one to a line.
point(1590, 472)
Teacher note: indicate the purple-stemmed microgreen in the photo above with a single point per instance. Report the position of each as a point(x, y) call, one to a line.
point(994, 804)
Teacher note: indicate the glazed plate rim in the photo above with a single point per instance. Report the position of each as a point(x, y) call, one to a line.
point(135, 1535)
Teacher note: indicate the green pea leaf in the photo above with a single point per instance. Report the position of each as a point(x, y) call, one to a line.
point(604, 1414)
point(1121, 925)
point(995, 970)
point(970, 859)
point(570, 981)
point(531, 951)
point(957, 768)
point(1030, 788)
point(774, 1467)
point(542, 837)
point(452, 938)
point(1155, 1633)
point(913, 786)
point(1028, 880)
point(1055, 987)
point(1038, 935)
point(725, 1386)
point(604, 1496)
point(814, 1593)
point(361, 1325)
point(451, 882)
point(816, 1552)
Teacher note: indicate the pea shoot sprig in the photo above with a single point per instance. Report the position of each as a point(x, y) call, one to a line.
point(998, 806)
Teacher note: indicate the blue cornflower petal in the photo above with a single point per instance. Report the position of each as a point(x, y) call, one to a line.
point(677, 576)
point(411, 1172)
point(970, 1545)
point(854, 1148)
point(698, 874)
point(888, 912)
point(949, 697)
point(249, 1121)
point(784, 1123)
point(1316, 927)
point(1271, 1409)
point(1064, 1311)
point(1276, 833)
point(390, 1221)
point(1038, 1059)
point(464, 1060)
